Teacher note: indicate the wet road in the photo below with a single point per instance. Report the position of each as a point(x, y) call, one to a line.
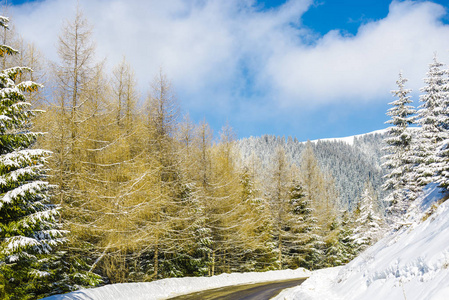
point(258, 291)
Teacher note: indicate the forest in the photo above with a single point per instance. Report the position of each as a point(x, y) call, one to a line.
point(350, 165)
point(102, 185)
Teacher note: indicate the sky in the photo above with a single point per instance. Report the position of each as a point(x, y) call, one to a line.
point(305, 68)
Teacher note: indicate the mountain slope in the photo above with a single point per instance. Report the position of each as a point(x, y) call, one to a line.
point(350, 160)
point(412, 263)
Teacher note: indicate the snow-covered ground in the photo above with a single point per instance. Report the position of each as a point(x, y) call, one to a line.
point(412, 263)
point(165, 288)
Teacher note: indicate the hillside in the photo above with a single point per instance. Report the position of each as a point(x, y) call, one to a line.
point(411, 263)
point(350, 160)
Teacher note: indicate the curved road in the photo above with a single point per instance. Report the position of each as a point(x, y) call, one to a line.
point(258, 291)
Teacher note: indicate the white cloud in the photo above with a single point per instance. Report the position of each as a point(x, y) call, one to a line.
point(365, 66)
point(230, 51)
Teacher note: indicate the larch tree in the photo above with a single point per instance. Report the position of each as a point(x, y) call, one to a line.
point(73, 112)
point(35, 60)
point(279, 188)
point(196, 237)
point(227, 208)
point(29, 56)
point(29, 230)
point(125, 94)
point(116, 176)
point(260, 252)
point(164, 184)
point(243, 212)
point(204, 198)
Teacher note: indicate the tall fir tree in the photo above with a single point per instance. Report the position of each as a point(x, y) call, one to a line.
point(301, 239)
point(442, 164)
point(29, 231)
point(369, 220)
point(398, 159)
point(433, 126)
point(345, 238)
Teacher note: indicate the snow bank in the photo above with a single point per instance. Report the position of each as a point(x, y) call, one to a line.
point(170, 287)
point(411, 264)
point(316, 287)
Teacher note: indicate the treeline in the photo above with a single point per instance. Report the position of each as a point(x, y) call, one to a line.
point(417, 144)
point(142, 192)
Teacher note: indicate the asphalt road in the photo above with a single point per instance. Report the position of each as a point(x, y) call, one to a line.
point(259, 291)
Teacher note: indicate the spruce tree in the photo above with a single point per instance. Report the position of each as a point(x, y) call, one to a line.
point(302, 241)
point(370, 221)
point(334, 253)
point(29, 231)
point(345, 238)
point(433, 129)
point(341, 247)
point(398, 158)
point(442, 163)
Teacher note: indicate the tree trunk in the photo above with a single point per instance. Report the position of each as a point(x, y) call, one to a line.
point(213, 263)
point(156, 262)
point(280, 251)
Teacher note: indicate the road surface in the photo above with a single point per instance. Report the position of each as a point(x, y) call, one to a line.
point(258, 291)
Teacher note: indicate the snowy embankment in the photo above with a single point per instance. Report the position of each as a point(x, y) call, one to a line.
point(170, 287)
point(412, 263)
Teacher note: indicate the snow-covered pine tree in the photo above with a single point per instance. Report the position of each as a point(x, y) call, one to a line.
point(302, 241)
point(341, 248)
point(432, 121)
point(398, 158)
point(345, 238)
point(442, 163)
point(29, 231)
point(369, 219)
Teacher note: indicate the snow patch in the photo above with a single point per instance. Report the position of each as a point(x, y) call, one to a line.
point(316, 287)
point(411, 263)
point(171, 287)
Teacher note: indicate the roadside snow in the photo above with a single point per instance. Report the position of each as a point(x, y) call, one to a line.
point(170, 287)
point(316, 287)
point(411, 264)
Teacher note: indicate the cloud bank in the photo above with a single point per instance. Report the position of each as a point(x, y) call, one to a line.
point(232, 56)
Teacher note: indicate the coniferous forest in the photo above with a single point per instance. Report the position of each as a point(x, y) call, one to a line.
point(101, 184)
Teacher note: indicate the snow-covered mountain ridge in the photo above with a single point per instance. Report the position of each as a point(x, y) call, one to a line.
point(411, 263)
point(350, 139)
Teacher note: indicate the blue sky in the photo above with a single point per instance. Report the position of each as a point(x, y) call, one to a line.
point(304, 68)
